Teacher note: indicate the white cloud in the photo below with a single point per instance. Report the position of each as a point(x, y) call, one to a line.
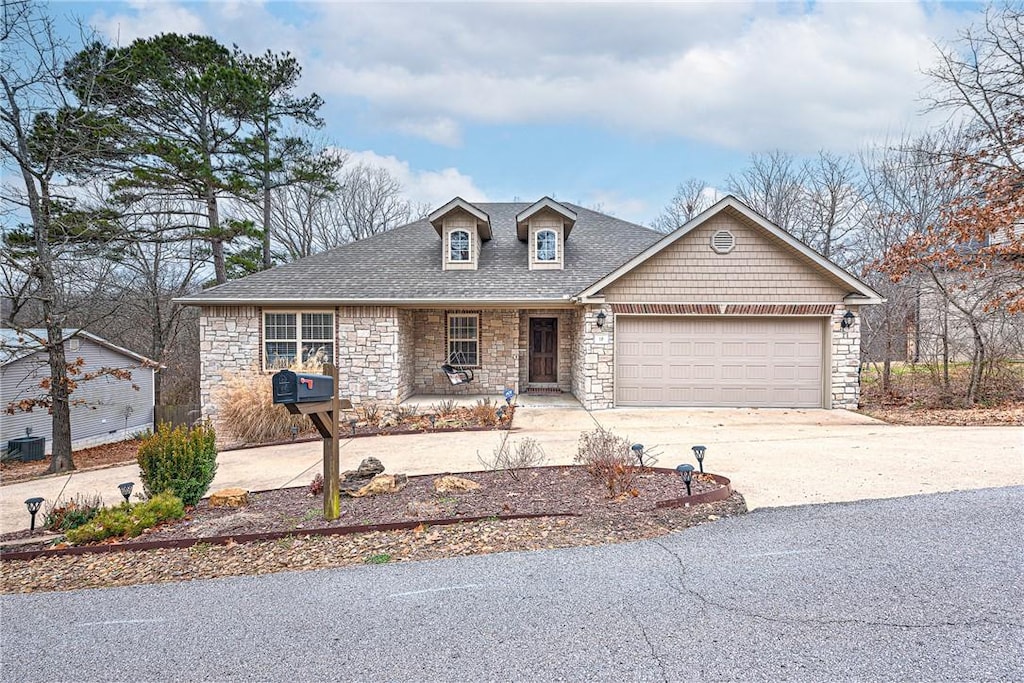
point(750, 76)
point(144, 19)
point(433, 188)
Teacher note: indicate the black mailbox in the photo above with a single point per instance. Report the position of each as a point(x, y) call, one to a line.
point(292, 387)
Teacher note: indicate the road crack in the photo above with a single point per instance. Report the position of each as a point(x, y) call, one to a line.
point(683, 589)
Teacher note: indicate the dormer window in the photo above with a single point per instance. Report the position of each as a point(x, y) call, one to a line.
point(463, 229)
point(547, 245)
point(458, 249)
point(545, 225)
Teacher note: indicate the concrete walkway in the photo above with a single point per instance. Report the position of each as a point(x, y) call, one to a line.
point(774, 457)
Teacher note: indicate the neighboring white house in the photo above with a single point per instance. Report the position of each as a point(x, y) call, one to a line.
point(103, 409)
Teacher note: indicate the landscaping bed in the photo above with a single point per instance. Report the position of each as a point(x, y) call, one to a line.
point(107, 455)
point(587, 516)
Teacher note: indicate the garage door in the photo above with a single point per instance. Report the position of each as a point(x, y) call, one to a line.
point(754, 362)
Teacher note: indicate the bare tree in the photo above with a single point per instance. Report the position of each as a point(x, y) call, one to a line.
point(46, 134)
point(773, 185)
point(311, 217)
point(371, 202)
point(692, 196)
point(832, 206)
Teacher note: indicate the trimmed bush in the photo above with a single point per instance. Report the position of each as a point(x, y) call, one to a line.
point(181, 460)
point(128, 521)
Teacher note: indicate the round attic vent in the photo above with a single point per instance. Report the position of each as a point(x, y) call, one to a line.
point(723, 242)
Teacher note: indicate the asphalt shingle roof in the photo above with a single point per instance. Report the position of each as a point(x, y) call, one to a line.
point(405, 264)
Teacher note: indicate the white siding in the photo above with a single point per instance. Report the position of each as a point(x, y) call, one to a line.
point(103, 409)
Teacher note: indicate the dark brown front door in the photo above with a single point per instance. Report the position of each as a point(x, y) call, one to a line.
point(544, 350)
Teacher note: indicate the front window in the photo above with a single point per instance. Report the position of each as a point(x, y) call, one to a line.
point(463, 340)
point(547, 245)
point(285, 334)
point(459, 246)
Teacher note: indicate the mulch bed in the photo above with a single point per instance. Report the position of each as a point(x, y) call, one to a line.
point(107, 455)
point(556, 490)
point(1012, 414)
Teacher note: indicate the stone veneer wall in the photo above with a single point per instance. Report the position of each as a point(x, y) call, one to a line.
point(593, 372)
point(229, 342)
point(566, 338)
point(845, 360)
point(373, 353)
point(499, 365)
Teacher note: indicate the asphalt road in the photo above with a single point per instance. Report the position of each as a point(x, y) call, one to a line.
point(921, 588)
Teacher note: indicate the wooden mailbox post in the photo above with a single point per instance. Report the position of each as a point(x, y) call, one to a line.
point(317, 397)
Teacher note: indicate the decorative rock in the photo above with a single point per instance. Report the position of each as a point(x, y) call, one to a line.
point(368, 469)
point(423, 510)
point(229, 498)
point(451, 484)
point(382, 483)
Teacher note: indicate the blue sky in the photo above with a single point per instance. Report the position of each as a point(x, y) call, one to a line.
point(604, 104)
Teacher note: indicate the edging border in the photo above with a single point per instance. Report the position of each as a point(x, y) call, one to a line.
point(721, 493)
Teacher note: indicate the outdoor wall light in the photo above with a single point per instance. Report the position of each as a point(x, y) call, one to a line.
point(600, 319)
point(126, 490)
point(33, 505)
point(698, 452)
point(686, 472)
point(847, 321)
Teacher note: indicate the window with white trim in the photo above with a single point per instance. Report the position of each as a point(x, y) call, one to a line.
point(464, 339)
point(547, 245)
point(286, 333)
point(458, 245)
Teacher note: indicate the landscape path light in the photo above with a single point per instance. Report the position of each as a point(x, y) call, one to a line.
point(126, 490)
point(33, 505)
point(352, 424)
point(295, 431)
point(638, 451)
point(698, 452)
point(686, 472)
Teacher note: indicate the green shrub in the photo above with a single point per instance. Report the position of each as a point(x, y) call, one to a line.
point(181, 460)
point(128, 521)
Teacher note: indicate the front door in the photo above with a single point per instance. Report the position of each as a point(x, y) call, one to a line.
point(544, 350)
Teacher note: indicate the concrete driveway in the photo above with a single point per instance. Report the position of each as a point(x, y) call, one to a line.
point(774, 457)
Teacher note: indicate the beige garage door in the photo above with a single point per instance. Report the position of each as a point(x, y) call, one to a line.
point(754, 362)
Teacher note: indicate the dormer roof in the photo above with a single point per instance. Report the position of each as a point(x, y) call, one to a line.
point(483, 221)
point(547, 203)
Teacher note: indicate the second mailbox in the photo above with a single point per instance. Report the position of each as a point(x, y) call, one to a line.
point(293, 387)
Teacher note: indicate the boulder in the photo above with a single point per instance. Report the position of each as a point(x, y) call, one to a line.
point(382, 483)
point(368, 469)
point(452, 484)
point(229, 498)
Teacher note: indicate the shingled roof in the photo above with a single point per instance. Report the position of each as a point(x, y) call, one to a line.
point(404, 266)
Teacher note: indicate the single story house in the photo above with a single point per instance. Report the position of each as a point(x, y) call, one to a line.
point(727, 310)
point(103, 410)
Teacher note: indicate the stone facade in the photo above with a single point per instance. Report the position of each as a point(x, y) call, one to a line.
point(229, 343)
point(845, 359)
point(566, 335)
point(593, 373)
point(498, 361)
point(373, 353)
